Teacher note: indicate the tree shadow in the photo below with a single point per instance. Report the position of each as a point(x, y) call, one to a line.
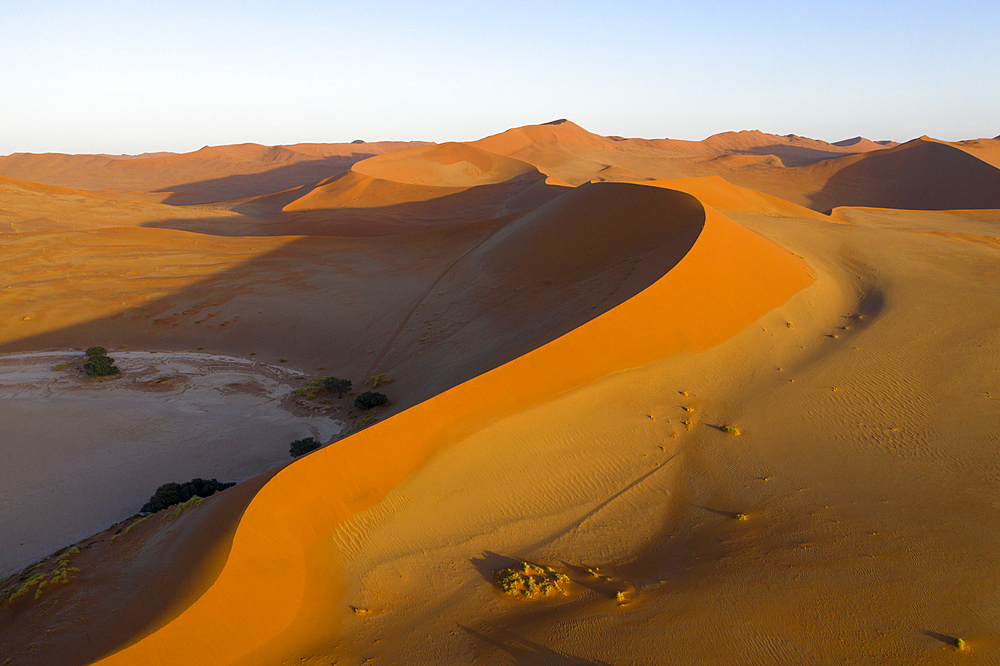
point(490, 562)
point(726, 514)
point(951, 641)
point(526, 652)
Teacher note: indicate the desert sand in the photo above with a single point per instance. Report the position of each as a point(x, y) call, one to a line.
point(741, 392)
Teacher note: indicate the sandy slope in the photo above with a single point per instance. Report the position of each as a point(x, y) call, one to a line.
point(568, 359)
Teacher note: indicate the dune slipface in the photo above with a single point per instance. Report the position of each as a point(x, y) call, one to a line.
point(279, 586)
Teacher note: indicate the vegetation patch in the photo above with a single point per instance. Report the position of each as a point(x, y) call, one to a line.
point(323, 385)
point(375, 380)
point(59, 575)
point(370, 399)
point(99, 364)
point(300, 447)
point(530, 581)
point(170, 494)
point(732, 430)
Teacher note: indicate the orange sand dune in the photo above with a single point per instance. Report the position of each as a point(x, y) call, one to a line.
point(566, 151)
point(211, 174)
point(729, 278)
point(862, 144)
point(445, 165)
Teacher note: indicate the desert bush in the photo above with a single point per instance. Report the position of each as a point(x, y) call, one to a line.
point(99, 363)
point(370, 399)
point(529, 581)
point(176, 493)
point(300, 447)
point(341, 386)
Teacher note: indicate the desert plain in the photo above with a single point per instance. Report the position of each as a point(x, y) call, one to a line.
point(739, 396)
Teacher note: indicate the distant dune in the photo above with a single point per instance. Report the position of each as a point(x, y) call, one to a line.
point(211, 174)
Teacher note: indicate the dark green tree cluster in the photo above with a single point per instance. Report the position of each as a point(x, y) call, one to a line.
point(99, 364)
point(175, 493)
point(341, 386)
point(370, 399)
point(300, 447)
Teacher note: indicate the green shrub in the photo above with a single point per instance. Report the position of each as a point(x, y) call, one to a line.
point(300, 447)
point(176, 493)
point(340, 386)
point(370, 399)
point(100, 364)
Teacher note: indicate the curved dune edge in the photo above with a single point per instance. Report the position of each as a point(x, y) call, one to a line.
point(278, 589)
point(719, 193)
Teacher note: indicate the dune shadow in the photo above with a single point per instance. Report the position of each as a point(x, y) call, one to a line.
point(444, 209)
point(526, 652)
point(241, 186)
point(793, 156)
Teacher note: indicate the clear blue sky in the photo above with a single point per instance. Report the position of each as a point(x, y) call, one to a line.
point(128, 77)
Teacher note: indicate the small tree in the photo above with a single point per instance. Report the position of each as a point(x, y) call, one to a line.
point(99, 363)
point(341, 386)
point(300, 447)
point(370, 399)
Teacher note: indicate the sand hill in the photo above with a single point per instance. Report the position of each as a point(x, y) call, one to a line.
point(215, 173)
point(733, 427)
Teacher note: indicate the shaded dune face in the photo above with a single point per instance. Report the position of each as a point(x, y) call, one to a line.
point(541, 275)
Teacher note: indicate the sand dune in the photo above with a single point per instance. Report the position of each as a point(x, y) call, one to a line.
point(793, 150)
point(565, 357)
point(217, 173)
point(920, 174)
point(988, 150)
point(290, 607)
point(445, 165)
